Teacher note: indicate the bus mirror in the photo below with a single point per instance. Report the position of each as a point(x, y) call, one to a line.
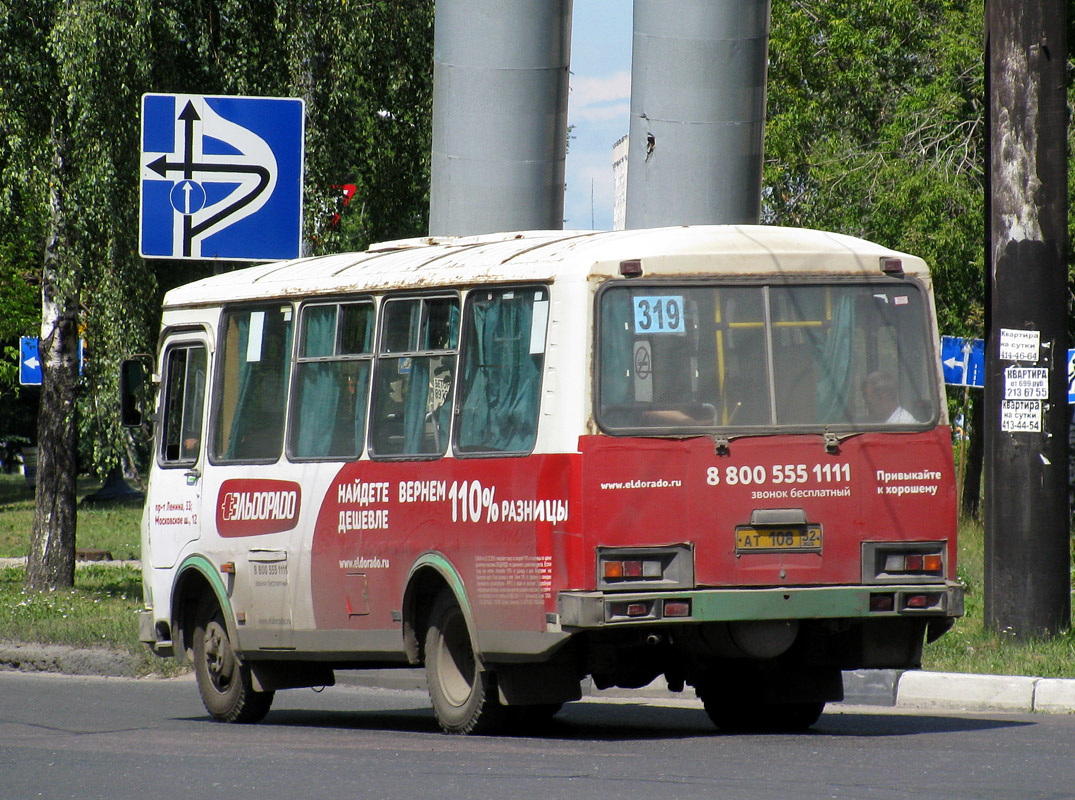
point(132, 392)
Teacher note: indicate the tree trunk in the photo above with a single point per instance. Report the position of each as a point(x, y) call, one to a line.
point(52, 540)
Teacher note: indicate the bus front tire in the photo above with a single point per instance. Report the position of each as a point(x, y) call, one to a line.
point(223, 680)
point(463, 692)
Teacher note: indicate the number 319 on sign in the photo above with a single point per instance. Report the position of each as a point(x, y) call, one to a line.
point(659, 314)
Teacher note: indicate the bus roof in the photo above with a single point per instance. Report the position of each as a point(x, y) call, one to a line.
point(431, 262)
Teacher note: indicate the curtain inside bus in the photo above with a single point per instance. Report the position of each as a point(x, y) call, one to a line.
point(428, 404)
point(328, 416)
point(318, 385)
point(256, 361)
point(616, 350)
point(834, 362)
point(500, 381)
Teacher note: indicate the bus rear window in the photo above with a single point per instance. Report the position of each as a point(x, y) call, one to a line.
point(687, 358)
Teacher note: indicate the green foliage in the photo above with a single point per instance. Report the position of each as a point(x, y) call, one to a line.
point(71, 78)
point(875, 129)
point(971, 647)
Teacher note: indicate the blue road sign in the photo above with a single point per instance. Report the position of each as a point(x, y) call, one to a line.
point(963, 361)
point(221, 177)
point(29, 362)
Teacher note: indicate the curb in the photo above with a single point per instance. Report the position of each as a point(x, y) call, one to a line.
point(100, 662)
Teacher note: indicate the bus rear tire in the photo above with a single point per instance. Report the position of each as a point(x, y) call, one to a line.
point(463, 692)
point(223, 680)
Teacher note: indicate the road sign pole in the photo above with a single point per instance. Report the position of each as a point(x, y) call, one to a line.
point(963, 442)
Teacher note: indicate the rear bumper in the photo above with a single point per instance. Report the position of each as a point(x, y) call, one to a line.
point(591, 610)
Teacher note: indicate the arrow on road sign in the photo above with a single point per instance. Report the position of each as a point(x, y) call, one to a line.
point(963, 361)
point(188, 166)
point(162, 166)
point(29, 363)
point(221, 177)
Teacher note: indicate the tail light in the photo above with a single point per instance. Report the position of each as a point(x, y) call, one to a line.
point(903, 562)
point(645, 568)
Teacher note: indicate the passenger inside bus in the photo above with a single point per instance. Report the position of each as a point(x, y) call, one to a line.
point(879, 392)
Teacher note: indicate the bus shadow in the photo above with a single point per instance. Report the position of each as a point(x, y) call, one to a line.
point(620, 723)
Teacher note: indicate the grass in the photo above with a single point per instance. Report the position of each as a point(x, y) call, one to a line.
point(971, 647)
point(113, 526)
point(100, 610)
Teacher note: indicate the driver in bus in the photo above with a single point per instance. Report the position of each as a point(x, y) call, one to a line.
point(879, 393)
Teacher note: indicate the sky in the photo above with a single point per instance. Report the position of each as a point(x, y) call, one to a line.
point(599, 108)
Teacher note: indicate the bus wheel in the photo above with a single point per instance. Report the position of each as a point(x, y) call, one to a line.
point(738, 717)
point(463, 692)
point(223, 680)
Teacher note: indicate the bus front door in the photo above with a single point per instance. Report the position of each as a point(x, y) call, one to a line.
point(175, 495)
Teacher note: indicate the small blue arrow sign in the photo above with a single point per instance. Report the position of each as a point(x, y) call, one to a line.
point(30, 368)
point(29, 362)
point(1071, 376)
point(963, 361)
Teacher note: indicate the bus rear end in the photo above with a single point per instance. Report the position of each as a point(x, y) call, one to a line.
point(769, 495)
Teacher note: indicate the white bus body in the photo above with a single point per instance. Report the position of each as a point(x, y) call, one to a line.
point(525, 458)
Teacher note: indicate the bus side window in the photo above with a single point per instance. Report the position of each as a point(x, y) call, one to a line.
point(332, 373)
point(255, 360)
point(414, 377)
point(184, 401)
point(500, 373)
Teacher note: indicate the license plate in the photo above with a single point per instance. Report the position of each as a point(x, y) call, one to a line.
point(783, 539)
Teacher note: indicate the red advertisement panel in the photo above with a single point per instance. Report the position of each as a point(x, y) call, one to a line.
point(508, 526)
point(254, 506)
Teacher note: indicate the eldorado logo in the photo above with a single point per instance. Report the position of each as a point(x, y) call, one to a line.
point(250, 507)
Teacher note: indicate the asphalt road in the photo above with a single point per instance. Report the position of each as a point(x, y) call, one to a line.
point(77, 737)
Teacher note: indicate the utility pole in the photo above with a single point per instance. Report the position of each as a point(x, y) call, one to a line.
point(1027, 558)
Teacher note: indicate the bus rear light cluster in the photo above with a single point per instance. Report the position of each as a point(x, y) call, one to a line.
point(903, 562)
point(638, 609)
point(914, 563)
point(922, 602)
point(668, 568)
point(677, 608)
point(880, 603)
point(642, 609)
point(632, 570)
point(888, 602)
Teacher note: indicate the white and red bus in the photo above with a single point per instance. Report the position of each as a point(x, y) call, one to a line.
point(715, 454)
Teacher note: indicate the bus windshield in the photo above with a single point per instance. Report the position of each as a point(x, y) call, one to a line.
point(688, 356)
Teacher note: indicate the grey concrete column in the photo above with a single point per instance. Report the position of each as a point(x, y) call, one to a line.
point(697, 112)
point(500, 80)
